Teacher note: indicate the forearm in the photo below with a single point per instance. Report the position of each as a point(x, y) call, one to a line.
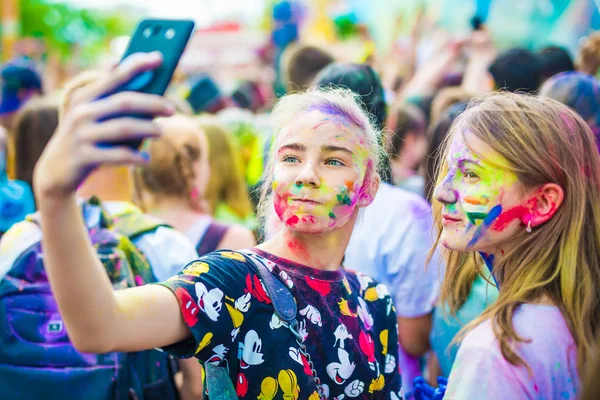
point(79, 281)
point(476, 79)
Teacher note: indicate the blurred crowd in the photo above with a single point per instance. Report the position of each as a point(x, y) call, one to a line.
point(413, 101)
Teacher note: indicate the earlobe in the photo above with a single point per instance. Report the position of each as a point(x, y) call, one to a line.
point(544, 204)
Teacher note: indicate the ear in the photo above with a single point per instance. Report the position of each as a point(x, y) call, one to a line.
point(543, 204)
point(369, 190)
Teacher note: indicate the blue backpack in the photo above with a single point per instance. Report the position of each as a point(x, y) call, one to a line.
point(37, 360)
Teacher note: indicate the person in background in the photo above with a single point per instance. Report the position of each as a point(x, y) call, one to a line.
point(406, 126)
point(247, 135)
point(554, 60)
point(579, 91)
point(172, 187)
point(227, 194)
point(19, 82)
point(517, 70)
point(16, 197)
point(392, 239)
point(34, 125)
point(300, 63)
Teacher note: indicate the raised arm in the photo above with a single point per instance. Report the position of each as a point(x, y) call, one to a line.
point(97, 318)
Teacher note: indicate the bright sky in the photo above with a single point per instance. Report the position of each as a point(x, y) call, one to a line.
point(204, 12)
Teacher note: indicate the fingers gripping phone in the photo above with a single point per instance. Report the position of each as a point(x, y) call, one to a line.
point(169, 37)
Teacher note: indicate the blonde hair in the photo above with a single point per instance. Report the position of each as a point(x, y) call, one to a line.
point(170, 171)
point(331, 101)
point(543, 142)
point(227, 183)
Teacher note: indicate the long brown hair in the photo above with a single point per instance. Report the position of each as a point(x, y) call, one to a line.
point(170, 171)
point(227, 184)
point(543, 142)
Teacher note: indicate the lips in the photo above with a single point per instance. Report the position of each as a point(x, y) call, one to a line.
point(449, 219)
point(305, 201)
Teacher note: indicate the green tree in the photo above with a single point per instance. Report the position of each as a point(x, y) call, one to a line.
point(64, 28)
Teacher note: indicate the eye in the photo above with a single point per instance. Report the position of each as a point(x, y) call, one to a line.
point(290, 159)
point(335, 162)
point(471, 175)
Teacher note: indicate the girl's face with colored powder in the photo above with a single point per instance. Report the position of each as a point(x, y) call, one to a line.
point(319, 172)
point(484, 204)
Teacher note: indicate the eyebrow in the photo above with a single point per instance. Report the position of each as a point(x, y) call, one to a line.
point(331, 148)
point(292, 146)
point(463, 161)
point(324, 148)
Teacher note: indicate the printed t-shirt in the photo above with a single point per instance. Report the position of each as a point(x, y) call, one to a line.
point(348, 322)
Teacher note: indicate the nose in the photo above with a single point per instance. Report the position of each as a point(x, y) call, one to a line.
point(308, 176)
point(444, 192)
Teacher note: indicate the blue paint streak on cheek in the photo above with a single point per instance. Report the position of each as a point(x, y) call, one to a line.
point(487, 221)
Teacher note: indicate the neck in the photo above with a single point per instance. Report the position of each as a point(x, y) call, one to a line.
point(108, 183)
point(323, 251)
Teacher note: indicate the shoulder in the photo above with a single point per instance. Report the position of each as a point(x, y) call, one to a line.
point(224, 263)
point(237, 237)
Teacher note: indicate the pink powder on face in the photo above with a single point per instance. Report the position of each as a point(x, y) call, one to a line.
point(506, 217)
point(293, 220)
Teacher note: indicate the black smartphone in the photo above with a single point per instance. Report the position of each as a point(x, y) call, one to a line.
point(169, 37)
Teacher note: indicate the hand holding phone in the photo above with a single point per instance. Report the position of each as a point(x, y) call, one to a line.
point(169, 38)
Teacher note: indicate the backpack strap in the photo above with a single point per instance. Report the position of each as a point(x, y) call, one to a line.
point(218, 382)
point(211, 238)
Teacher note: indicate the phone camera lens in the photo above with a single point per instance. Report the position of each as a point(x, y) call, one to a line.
point(147, 32)
point(170, 33)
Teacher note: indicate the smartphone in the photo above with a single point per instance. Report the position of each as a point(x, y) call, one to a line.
point(169, 37)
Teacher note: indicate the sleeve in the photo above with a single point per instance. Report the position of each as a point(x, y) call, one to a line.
point(482, 372)
point(415, 285)
point(215, 295)
point(167, 251)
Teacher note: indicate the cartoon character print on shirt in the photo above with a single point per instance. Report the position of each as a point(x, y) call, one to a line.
point(345, 309)
point(364, 314)
point(322, 287)
point(341, 370)
point(209, 301)
point(255, 287)
point(236, 311)
point(341, 334)
point(218, 356)
point(312, 314)
point(189, 309)
point(250, 350)
point(286, 381)
point(390, 360)
point(241, 385)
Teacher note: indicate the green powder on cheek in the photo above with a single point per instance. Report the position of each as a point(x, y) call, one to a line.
point(343, 197)
point(332, 215)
